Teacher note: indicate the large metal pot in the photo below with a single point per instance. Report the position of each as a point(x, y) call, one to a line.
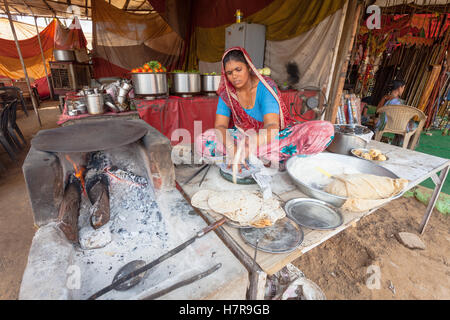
point(185, 83)
point(210, 83)
point(64, 55)
point(302, 181)
point(146, 83)
point(95, 103)
point(348, 137)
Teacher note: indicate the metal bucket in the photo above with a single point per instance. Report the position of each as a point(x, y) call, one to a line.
point(95, 103)
point(348, 137)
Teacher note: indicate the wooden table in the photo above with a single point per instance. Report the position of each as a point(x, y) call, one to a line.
point(408, 164)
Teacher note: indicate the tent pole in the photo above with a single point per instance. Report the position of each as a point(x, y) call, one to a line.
point(43, 59)
point(335, 52)
point(13, 30)
point(42, 51)
point(344, 55)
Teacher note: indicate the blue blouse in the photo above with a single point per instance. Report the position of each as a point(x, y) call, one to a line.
point(265, 103)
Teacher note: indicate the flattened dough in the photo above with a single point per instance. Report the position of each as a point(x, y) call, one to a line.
point(365, 186)
point(200, 199)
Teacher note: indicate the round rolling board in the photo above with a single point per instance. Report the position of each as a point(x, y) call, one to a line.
point(229, 177)
point(284, 236)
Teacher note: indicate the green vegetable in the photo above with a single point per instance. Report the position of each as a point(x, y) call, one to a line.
point(181, 71)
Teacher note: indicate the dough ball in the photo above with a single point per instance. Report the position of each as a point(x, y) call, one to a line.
point(357, 152)
point(381, 157)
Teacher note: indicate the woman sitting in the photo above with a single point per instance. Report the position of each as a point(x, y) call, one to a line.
point(392, 99)
point(251, 102)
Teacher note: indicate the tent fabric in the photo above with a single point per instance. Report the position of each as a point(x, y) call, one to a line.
point(172, 113)
point(284, 19)
point(54, 36)
point(23, 30)
point(60, 8)
point(311, 50)
point(118, 36)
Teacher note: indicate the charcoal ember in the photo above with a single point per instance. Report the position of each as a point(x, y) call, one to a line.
point(70, 210)
point(100, 210)
point(98, 161)
point(128, 176)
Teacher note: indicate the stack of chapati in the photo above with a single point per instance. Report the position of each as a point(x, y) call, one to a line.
point(241, 206)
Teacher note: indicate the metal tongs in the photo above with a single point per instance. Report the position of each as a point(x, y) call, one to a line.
point(197, 172)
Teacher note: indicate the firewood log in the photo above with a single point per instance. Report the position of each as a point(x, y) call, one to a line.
point(69, 211)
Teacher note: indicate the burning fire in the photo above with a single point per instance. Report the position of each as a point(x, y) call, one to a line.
point(79, 172)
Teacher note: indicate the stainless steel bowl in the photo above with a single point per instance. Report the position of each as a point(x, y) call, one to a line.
point(361, 165)
point(210, 83)
point(185, 83)
point(347, 137)
point(146, 83)
point(64, 55)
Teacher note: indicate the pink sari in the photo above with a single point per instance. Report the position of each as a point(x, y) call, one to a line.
point(303, 138)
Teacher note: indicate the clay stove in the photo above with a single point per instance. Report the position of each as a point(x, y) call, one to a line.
point(134, 213)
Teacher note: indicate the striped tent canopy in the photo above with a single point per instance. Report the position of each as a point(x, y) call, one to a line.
point(66, 8)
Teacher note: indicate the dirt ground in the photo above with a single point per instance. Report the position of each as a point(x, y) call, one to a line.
point(343, 265)
point(339, 266)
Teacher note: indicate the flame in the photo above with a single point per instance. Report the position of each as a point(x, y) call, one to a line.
point(79, 173)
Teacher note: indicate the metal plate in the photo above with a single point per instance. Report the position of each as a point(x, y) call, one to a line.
point(313, 214)
point(89, 136)
point(367, 150)
point(284, 236)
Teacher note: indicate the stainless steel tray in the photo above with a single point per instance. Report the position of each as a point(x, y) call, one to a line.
point(284, 236)
point(313, 214)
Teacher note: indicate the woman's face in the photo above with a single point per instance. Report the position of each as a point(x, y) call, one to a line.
point(400, 90)
point(237, 73)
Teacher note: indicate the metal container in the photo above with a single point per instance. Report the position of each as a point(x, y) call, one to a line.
point(95, 103)
point(185, 84)
point(146, 83)
point(361, 165)
point(64, 55)
point(210, 83)
point(81, 107)
point(348, 137)
point(313, 213)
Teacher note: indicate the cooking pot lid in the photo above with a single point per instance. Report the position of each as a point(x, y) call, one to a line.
point(90, 136)
point(313, 214)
